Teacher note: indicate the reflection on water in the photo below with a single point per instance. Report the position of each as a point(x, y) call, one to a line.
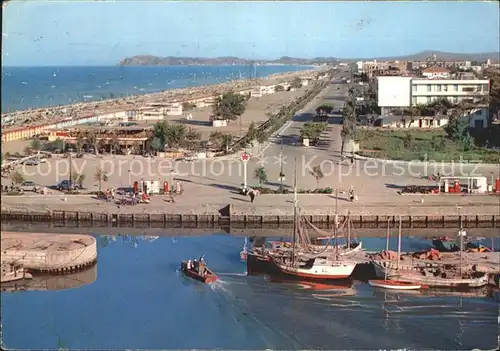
point(142, 301)
point(47, 281)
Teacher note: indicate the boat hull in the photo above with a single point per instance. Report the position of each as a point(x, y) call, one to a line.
point(322, 273)
point(259, 264)
point(438, 282)
point(394, 285)
point(207, 278)
point(19, 274)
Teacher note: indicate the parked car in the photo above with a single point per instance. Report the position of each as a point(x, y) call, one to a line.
point(67, 185)
point(28, 186)
point(32, 162)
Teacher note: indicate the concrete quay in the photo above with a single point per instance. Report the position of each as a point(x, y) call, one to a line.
point(435, 212)
point(49, 252)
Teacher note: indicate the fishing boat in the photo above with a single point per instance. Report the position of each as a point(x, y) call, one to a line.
point(434, 271)
point(12, 272)
point(305, 263)
point(394, 284)
point(193, 270)
point(397, 283)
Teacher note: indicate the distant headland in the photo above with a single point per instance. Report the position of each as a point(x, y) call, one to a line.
point(150, 60)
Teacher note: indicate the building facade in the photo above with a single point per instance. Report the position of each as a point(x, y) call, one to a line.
point(404, 92)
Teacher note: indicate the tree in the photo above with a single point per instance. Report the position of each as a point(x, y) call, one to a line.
point(192, 139)
point(313, 131)
point(296, 83)
point(279, 87)
point(252, 132)
point(171, 135)
point(229, 106)
point(17, 178)
point(227, 140)
point(58, 144)
point(156, 144)
point(261, 175)
point(114, 144)
point(317, 173)
point(100, 176)
point(92, 138)
point(36, 145)
point(457, 130)
point(408, 140)
point(78, 178)
point(80, 141)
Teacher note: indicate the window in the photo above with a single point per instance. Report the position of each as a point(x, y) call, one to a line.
point(429, 87)
point(438, 121)
point(445, 88)
point(414, 88)
point(429, 100)
point(456, 87)
point(414, 100)
point(438, 88)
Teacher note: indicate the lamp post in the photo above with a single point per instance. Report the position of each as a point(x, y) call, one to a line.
point(461, 233)
point(281, 166)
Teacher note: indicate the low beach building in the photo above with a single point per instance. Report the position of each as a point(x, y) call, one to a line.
point(106, 136)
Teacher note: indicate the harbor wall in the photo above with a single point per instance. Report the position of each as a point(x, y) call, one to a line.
point(40, 253)
point(225, 217)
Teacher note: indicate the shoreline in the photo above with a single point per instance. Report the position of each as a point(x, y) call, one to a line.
point(100, 107)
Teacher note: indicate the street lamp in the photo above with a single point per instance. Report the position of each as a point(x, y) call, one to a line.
point(461, 233)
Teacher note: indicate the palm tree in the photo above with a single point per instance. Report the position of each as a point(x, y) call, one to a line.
point(100, 176)
point(17, 178)
point(36, 145)
point(260, 175)
point(80, 141)
point(156, 144)
point(317, 173)
point(92, 138)
point(78, 178)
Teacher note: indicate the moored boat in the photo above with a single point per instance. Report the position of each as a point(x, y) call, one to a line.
point(12, 272)
point(198, 271)
point(394, 284)
point(316, 269)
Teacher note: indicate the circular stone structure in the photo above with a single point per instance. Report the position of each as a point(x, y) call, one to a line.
point(49, 252)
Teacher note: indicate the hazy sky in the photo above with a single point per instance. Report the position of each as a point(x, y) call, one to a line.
point(104, 32)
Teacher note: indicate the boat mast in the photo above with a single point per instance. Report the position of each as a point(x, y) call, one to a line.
point(295, 227)
point(336, 224)
point(399, 244)
point(386, 249)
point(348, 231)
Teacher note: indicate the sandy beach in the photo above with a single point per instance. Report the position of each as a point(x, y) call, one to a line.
point(35, 116)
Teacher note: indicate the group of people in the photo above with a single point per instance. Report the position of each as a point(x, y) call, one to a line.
point(197, 265)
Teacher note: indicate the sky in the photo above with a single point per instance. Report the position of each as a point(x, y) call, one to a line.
point(57, 33)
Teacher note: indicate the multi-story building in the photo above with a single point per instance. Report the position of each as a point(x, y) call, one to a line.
point(395, 93)
point(436, 72)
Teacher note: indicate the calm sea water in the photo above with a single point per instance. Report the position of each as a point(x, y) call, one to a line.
point(139, 300)
point(27, 87)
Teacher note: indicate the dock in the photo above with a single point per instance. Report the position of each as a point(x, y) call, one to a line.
point(63, 253)
point(225, 217)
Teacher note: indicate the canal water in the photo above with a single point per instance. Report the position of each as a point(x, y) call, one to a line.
point(139, 300)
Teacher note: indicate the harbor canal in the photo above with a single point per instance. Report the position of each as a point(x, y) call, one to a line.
point(135, 298)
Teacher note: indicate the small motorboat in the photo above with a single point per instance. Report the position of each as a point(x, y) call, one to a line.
point(192, 269)
point(394, 285)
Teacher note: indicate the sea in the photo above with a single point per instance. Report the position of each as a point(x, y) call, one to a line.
point(136, 298)
point(34, 87)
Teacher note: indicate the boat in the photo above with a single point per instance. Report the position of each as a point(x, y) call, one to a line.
point(303, 262)
point(397, 283)
point(316, 269)
point(12, 272)
point(394, 284)
point(438, 270)
point(445, 244)
point(190, 269)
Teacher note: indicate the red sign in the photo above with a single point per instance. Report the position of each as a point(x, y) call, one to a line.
point(245, 157)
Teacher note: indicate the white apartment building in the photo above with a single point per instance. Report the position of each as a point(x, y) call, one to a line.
point(403, 92)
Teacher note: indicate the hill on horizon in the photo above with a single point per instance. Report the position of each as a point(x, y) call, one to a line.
point(150, 60)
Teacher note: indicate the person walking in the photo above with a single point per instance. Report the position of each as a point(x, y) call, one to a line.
point(251, 193)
